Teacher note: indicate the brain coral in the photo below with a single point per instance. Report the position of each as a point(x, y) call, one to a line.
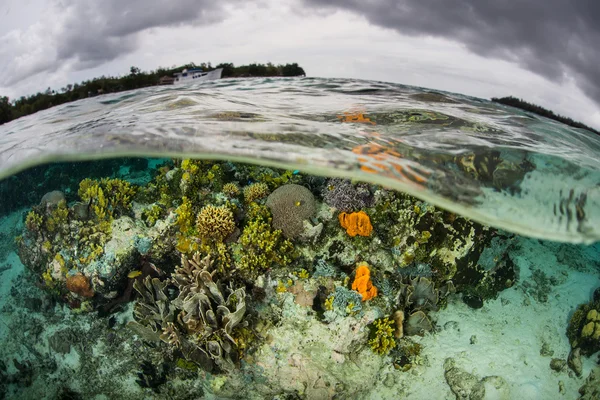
point(290, 205)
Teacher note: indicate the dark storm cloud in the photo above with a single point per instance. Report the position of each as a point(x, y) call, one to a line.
point(558, 39)
point(97, 31)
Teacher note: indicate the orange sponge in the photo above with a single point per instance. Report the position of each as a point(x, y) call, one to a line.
point(362, 283)
point(80, 285)
point(356, 223)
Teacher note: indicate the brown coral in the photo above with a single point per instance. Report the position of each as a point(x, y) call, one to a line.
point(291, 204)
point(80, 285)
point(363, 284)
point(356, 223)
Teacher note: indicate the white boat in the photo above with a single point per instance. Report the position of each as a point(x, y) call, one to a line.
point(196, 75)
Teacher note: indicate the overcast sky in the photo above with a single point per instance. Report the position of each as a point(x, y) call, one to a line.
point(544, 51)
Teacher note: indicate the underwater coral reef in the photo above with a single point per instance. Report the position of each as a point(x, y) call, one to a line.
point(245, 281)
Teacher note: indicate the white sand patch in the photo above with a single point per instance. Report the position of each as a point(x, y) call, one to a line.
point(508, 334)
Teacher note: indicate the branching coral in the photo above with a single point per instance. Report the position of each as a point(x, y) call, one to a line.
point(107, 198)
point(357, 223)
point(255, 191)
point(291, 204)
point(260, 247)
point(382, 340)
point(231, 190)
point(363, 284)
point(215, 223)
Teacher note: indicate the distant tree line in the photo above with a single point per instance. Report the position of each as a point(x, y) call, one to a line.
point(136, 79)
point(523, 105)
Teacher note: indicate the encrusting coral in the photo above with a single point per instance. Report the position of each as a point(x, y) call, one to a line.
point(356, 223)
point(363, 284)
point(79, 284)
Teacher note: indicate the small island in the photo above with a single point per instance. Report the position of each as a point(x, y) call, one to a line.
point(523, 105)
point(136, 79)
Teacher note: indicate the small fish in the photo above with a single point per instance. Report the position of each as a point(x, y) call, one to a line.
point(296, 172)
point(134, 274)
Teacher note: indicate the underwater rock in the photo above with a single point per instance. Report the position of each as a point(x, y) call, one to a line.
point(151, 377)
point(290, 205)
point(59, 342)
point(574, 361)
point(311, 232)
point(463, 384)
point(51, 199)
point(558, 365)
point(469, 387)
point(472, 301)
point(590, 390)
point(120, 256)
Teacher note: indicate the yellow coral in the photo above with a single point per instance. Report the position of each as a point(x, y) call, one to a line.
point(588, 330)
point(383, 338)
point(329, 303)
point(255, 191)
point(185, 215)
point(215, 223)
point(231, 189)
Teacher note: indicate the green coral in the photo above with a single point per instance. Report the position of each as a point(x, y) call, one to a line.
point(108, 198)
point(58, 218)
point(33, 221)
point(152, 214)
point(260, 247)
point(382, 340)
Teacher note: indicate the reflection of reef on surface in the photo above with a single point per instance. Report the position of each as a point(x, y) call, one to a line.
point(230, 267)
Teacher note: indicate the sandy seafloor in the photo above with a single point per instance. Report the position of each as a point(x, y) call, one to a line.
point(504, 338)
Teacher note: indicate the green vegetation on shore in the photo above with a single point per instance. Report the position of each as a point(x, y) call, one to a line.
point(523, 105)
point(136, 79)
